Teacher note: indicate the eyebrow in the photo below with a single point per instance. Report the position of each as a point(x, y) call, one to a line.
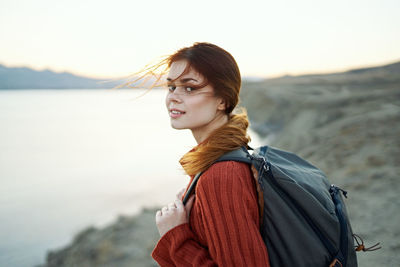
point(183, 80)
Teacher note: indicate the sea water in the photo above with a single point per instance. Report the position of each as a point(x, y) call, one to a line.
point(74, 158)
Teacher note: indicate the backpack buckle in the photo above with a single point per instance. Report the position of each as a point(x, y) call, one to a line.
point(333, 190)
point(265, 164)
point(266, 167)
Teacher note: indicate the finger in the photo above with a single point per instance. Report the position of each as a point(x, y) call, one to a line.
point(180, 193)
point(158, 216)
point(171, 206)
point(164, 209)
point(179, 204)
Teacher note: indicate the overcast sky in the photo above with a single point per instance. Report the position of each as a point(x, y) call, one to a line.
point(268, 38)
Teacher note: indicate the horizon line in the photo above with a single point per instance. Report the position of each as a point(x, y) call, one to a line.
point(249, 76)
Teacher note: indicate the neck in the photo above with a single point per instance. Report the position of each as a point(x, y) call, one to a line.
point(228, 137)
point(202, 134)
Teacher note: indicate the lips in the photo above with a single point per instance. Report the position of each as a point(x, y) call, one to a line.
point(176, 113)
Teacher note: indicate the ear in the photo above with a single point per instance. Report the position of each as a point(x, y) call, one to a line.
point(221, 104)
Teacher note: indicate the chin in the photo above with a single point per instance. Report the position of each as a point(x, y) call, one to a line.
point(176, 126)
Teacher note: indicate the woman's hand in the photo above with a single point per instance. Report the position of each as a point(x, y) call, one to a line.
point(174, 214)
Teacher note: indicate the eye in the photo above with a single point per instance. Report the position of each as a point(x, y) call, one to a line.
point(189, 89)
point(171, 88)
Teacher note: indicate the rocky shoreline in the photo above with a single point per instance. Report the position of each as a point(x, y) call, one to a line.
point(347, 124)
point(126, 242)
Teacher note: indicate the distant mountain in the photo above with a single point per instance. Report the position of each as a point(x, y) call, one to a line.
point(26, 78)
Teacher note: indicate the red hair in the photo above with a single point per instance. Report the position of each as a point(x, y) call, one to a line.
point(230, 136)
point(220, 70)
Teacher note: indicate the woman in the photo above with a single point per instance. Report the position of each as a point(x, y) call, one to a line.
point(219, 226)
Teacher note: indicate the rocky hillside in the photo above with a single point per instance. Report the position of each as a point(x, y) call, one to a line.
point(127, 242)
point(347, 124)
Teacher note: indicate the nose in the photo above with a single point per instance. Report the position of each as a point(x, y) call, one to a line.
point(173, 97)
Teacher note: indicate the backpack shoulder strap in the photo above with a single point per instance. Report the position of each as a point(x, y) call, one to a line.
point(241, 155)
point(191, 188)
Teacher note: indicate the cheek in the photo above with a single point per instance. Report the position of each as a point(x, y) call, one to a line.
point(202, 108)
point(167, 100)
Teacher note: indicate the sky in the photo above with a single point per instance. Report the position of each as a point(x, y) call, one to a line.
point(106, 39)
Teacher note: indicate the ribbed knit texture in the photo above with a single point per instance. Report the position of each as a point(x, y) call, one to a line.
point(224, 223)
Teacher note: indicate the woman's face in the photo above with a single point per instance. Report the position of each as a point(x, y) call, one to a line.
point(195, 109)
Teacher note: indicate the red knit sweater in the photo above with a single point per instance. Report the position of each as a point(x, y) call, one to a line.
point(223, 229)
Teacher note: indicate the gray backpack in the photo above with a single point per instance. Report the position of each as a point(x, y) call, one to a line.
point(304, 221)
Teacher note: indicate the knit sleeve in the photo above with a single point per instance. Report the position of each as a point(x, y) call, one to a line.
point(179, 248)
point(228, 202)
